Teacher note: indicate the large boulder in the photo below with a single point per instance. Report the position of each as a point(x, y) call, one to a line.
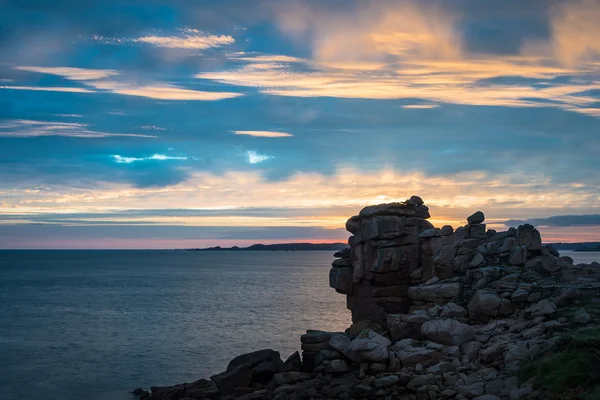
point(549, 262)
point(240, 376)
point(340, 342)
point(340, 279)
point(518, 255)
point(407, 209)
point(265, 363)
point(410, 356)
point(200, 389)
point(530, 237)
point(486, 304)
point(542, 308)
point(437, 293)
point(447, 331)
point(369, 346)
point(476, 218)
point(385, 227)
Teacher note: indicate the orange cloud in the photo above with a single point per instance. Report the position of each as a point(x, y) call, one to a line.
point(372, 32)
point(576, 31)
point(450, 198)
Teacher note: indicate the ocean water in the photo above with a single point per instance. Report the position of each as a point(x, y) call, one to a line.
point(95, 325)
point(586, 257)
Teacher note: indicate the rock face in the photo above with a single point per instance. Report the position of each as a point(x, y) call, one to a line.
point(395, 255)
point(437, 314)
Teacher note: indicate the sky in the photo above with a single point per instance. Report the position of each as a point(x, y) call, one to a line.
point(173, 124)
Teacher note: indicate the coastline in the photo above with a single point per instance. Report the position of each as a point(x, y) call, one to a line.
point(437, 314)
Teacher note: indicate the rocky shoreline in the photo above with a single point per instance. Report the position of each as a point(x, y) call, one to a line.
point(437, 313)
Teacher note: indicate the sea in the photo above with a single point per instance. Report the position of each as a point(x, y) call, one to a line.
point(95, 325)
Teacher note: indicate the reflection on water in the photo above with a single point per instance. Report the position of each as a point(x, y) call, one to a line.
point(94, 325)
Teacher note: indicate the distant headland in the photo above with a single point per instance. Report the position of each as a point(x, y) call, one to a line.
point(580, 246)
point(279, 247)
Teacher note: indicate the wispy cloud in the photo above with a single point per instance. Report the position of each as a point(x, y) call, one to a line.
point(265, 58)
point(420, 106)
point(341, 194)
point(162, 91)
point(468, 81)
point(49, 89)
point(157, 157)
point(69, 115)
point(33, 128)
point(263, 133)
point(96, 78)
point(255, 158)
point(414, 50)
point(186, 39)
point(74, 74)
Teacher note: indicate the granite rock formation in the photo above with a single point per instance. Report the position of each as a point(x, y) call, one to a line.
point(397, 261)
point(438, 313)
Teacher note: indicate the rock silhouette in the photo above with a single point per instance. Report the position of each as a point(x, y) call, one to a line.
point(438, 313)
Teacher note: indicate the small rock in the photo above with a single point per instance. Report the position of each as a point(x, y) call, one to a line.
point(477, 261)
point(533, 332)
point(446, 230)
point(566, 259)
point(337, 366)
point(449, 332)
point(581, 316)
point(543, 307)
point(386, 381)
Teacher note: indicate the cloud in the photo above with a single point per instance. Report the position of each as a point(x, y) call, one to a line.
point(33, 128)
point(263, 133)
point(415, 50)
point(96, 78)
point(162, 91)
point(560, 220)
point(255, 158)
point(49, 89)
point(158, 157)
point(371, 32)
point(441, 81)
point(265, 58)
point(420, 106)
point(187, 39)
point(342, 194)
point(74, 74)
point(574, 33)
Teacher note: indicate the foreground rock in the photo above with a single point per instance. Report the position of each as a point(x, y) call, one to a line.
point(437, 314)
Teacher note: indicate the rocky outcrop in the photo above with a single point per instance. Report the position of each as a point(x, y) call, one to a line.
point(438, 313)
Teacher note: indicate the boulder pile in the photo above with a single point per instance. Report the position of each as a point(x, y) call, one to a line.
point(438, 313)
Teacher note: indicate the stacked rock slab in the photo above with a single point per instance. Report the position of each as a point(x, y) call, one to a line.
point(384, 252)
point(393, 248)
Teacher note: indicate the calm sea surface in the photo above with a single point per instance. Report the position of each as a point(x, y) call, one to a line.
point(96, 324)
